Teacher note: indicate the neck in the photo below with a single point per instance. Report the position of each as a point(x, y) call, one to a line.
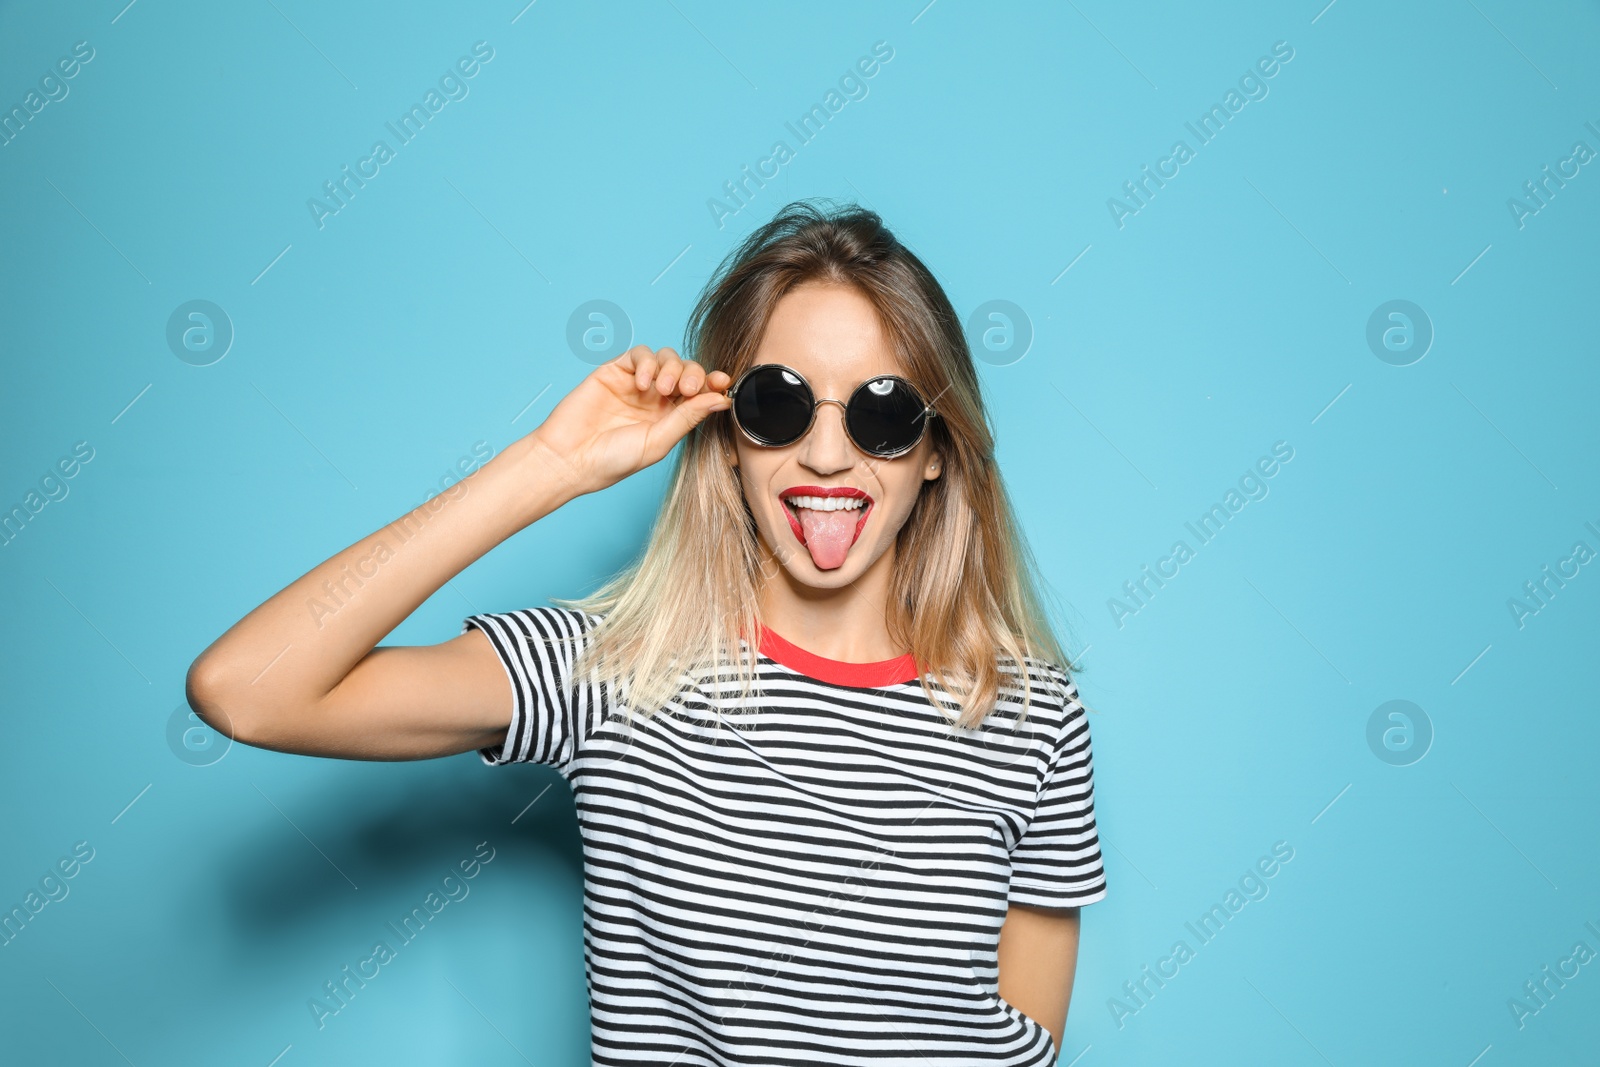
point(848, 623)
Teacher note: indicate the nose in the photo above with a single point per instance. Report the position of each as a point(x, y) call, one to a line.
point(827, 447)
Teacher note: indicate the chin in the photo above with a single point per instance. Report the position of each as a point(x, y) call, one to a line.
point(810, 574)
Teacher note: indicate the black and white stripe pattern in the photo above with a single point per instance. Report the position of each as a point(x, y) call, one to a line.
point(819, 878)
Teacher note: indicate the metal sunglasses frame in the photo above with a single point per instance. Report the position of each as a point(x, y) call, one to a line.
point(928, 411)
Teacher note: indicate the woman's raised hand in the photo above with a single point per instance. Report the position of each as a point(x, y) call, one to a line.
point(339, 694)
point(628, 413)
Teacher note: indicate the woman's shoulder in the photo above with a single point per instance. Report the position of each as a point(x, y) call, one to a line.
point(551, 620)
point(1041, 672)
point(1049, 684)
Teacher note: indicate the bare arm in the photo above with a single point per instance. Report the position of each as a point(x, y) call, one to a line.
point(1038, 955)
point(302, 673)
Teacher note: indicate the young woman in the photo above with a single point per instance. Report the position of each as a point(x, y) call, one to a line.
point(832, 775)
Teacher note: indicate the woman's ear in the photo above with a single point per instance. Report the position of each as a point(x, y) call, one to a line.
point(932, 470)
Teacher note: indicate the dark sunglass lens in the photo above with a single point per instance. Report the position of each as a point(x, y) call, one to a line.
point(886, 416)
point(773, 405)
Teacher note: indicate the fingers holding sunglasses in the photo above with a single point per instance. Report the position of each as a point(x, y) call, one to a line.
point(656, 370)
point(669, 367)
point(666, 373)
point(694, 379)
point(678, 375)
point(661, 374)
point(642, 362)
point(689, 378)
point(702, 391)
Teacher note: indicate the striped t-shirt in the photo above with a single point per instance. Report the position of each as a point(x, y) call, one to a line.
point(819, 878)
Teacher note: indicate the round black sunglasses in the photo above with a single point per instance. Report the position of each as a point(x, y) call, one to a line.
point(773, 405)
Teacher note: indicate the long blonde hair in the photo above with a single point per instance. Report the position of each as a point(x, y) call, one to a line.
point(964, 592)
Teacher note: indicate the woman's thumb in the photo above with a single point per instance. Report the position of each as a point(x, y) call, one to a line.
point(696, 409)
point(683, 418)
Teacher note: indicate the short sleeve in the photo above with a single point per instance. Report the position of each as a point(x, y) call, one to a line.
point(549, 711)
point(1057, 862)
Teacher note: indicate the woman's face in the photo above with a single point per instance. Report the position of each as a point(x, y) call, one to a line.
point(831, 334)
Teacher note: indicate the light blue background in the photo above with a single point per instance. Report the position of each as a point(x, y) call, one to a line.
point(430, 314)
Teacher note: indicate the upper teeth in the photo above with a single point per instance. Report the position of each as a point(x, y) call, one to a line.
point(827, 503)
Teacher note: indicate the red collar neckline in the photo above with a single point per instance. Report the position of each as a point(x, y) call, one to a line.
point(860, 675)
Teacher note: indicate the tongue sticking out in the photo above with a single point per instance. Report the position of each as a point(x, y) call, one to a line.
point(829, 534)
